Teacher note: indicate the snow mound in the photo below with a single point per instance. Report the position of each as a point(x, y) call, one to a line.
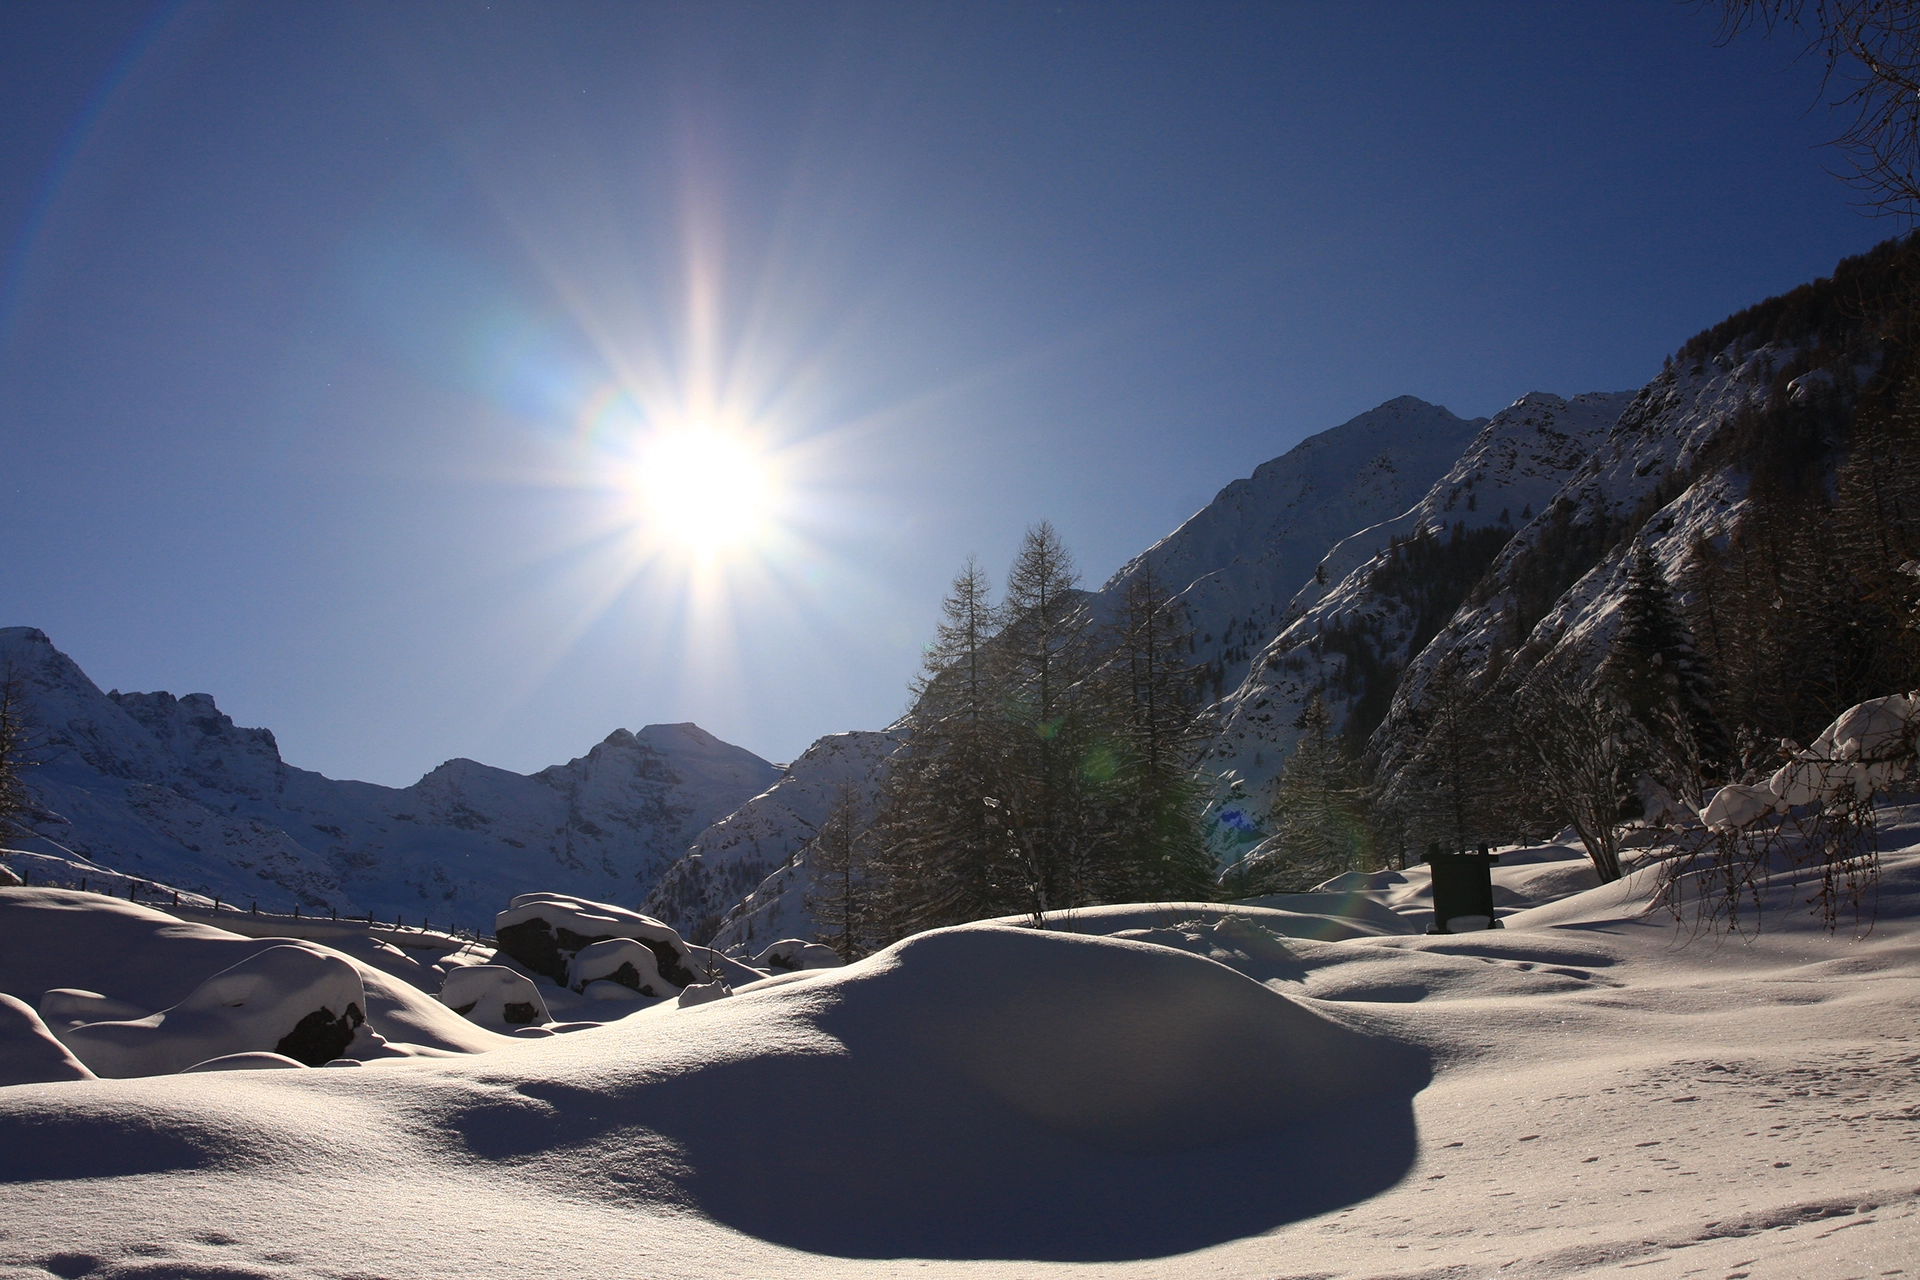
point(64, 949)
point(494, 996)
point(790, 955)
point(1121, 1045)
point(65, 1007)
point(247, 1062)
point(703, 993)
point(991, 1088)
point(288, 999)
point(29, 1053)
point(545, 931)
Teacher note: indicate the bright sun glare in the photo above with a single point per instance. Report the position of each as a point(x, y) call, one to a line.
point(706, 488)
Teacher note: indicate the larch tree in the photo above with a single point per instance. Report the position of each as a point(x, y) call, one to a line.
point(1044, 799)
point(1152, 692)
point(842, 897)
point(944, 853)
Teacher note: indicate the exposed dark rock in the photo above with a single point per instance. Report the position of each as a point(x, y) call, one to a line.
point(536, 946)
point(670, 966)
point(532, 943)
point(320, 1037)
point(519, 1013)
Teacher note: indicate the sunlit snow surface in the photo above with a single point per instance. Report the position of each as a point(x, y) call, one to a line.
point(1307, 1088)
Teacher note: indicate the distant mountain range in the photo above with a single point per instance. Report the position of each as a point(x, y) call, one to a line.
point(168, 788)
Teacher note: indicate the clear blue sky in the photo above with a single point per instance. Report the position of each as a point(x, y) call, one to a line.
point(328, 331)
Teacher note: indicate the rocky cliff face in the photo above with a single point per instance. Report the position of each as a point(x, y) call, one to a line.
point(169, 788)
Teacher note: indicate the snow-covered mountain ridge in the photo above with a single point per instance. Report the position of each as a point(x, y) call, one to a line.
point(169, 787)
point(1351, 636)
point(1237, 563)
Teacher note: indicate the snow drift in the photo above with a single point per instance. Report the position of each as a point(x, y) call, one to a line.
point(975, 1092)
point(292, 1000)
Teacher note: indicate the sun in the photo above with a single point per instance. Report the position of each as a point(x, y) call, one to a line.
point(706, 488)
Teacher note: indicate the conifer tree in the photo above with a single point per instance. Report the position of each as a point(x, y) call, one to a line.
point(17, 742)
point(842, 897)
point(1449, 790)
point(1319, 817)
point(1161, 851)
point(1652, 666)
point(1045, 800)
point(944, 857)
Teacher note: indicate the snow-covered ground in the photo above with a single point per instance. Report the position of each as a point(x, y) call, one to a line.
point(1310, 1086)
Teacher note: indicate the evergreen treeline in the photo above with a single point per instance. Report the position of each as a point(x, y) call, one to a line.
point(1048, 763)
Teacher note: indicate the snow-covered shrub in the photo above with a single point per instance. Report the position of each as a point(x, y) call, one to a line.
point(494, 997)
point(291, 999)
point(703, 993)
point(1815, 813)
point(790, 954)
point(545, 931)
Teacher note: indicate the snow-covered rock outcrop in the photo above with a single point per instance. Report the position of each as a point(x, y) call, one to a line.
point(83, 959)
point(494, 996)
point(169, 788)
point(552, 934)
point(1867, 748)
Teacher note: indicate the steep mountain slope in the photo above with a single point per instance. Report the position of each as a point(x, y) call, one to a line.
point(1237, 563)
point(744, 881)
point(170, 788)
point(1655, 482)
point(1389, 587)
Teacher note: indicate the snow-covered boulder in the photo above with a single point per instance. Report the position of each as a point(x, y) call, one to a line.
point(631, 964)
point(1867, 747)
point(290, 999)
point(545, 931)
point(29, 1054)
point(791, 954)
point(494, 996)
